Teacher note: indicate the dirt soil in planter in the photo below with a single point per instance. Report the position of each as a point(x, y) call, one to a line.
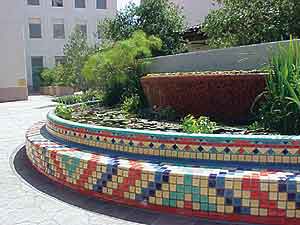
point(147, 120)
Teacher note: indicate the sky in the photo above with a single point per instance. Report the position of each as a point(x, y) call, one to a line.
point(123, 3)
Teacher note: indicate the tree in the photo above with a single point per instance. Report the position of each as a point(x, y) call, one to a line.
point(115, 70)
point(160, 18)
point(76, 52)
point(243, 22)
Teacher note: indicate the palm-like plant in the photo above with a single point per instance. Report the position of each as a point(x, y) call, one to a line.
point(281, 108)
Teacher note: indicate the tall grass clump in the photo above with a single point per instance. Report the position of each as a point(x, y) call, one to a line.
point(280, 106)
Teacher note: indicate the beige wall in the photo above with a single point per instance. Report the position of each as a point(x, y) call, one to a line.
point(47, 46)
point(12, 52)
point(195, 11)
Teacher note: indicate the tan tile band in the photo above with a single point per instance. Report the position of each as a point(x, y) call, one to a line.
point(13, 94)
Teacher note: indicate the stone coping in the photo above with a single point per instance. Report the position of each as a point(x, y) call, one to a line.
point(233, 194)
point(207, 73)
point(221, 147)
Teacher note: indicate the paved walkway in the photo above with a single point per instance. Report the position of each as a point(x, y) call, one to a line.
point(27, 198)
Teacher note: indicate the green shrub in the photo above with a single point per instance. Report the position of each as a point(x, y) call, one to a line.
point(47, 77)
point(160, 18)
point(243, 22)
point(64, 112)
point(255, 126)
point(280, 106)
point(132, 104)
point(116, 71)
point(54, 76)
point(90, 95)
point(201, 125)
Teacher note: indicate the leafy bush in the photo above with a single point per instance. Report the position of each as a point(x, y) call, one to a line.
point(47, 77)
point(54, 76)
point(132, 104)
point(254, 126)
point(201, 125)
point(116, 71)
point(243, 22)
point(64, 112)
point(90, 95)
point(160, 18)
point(280, 108)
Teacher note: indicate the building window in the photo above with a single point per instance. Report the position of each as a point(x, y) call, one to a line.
point(101, 4)
point(59, 30)
point(83, 28)
point(59, 60)
point(33, 2)
point(35, 28)
point(57, 3)
point(79, 3)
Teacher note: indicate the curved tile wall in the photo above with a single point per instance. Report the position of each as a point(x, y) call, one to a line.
point(224, 191)
point(242, 148)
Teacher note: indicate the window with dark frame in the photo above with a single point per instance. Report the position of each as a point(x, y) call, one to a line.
point(58, 31)
point(79, 3)
point(33, 2)
point(35, 30)
point(101, 4)
point(57, 3)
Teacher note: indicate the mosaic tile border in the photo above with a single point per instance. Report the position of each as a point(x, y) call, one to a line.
point(266, 197)
point(242, 148)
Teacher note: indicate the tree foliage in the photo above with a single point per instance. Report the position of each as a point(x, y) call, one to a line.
point(76, 52)
point(243, 22)
point(155, 17)
point(54, 76)
point(115, 70)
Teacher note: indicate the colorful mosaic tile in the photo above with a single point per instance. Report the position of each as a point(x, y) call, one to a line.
point(250, 195)
point(205, 147)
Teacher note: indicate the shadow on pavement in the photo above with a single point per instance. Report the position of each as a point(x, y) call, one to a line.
point(43, 184)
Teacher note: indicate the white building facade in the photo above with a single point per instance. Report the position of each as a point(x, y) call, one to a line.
point(48, 23)
point(195, 11)
point(12, 52)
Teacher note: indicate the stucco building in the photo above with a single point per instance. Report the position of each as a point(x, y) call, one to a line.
point(12, 52)
point(35, 32)
point(195, 11)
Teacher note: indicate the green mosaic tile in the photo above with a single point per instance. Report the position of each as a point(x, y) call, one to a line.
point(180, 188)
point(180, 196)
point(195, 197)
point(195, 189)
point(165, 201)
point(188, 179)
point(204, 206)
point(187, 189)
point(173, 195)
point(172, 202)
point(203, 198)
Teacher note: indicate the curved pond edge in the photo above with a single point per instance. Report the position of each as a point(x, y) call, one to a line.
point(279, 149)
point(261, 196)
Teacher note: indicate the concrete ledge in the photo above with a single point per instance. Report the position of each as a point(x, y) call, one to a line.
point(236, 58)
point(13, 94)
point(232, 194)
